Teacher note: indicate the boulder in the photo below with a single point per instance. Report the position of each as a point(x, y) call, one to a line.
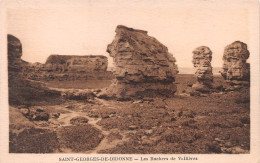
point(202, 62)
point(38, 114)
point(143, 66)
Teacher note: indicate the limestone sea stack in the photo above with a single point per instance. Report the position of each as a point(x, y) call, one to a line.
point(235, 67)
point(202, 62)
point(143, 66)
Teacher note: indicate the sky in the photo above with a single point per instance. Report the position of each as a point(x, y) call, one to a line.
point(87, 28)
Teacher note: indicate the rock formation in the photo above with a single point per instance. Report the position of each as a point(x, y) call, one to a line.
point(14, 49)
point(69, 68)
point(235, 67)
point(72, 63)
point(21, 90)
point(202, 62)
point(143, 66)
point(15, 62)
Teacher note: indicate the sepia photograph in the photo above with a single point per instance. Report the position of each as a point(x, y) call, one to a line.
point(131, 77)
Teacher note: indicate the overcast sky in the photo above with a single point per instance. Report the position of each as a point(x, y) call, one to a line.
point(88, 27)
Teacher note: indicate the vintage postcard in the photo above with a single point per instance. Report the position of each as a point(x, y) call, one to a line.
point(129, 81)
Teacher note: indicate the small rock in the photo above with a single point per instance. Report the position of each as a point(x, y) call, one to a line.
point(148, 132)
point(112, 115)
point(173, 119)
point(214, 147)
point(79, 120)
point(203, 95)
point(229, 150)
point(180, 113)
point(219, 140)
point(228, 144)
point(138, 101)
point(132, 127)
point(42, 116)
point(39, 110)
point(55, 115)
point(69, 107)
point(24, 111)
point(223, 149)
point(105, 116)
point(189, 85)
point(195, 93)
point(238, 150)
point(245, 120)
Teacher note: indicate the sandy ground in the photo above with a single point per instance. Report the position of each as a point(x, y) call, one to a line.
point(214, 123)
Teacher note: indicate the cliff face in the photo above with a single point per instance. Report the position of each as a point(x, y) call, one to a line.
point(91, 63)
point(235, 66)
point(142, 63)
point(202, 62)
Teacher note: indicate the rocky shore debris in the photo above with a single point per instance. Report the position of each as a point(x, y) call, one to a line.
point(35, 114)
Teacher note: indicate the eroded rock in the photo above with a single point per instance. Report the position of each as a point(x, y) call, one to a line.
point(69, 68)
point(143, 66)
point(202, 62)
point(14, 49)
point(21, 90)
point(235, 66)
point(73, 63)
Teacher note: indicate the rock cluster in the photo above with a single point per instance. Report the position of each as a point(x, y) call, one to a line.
point(35, 114)
point(73, 63)
point(235, 67)
point(143, 66)
point(202, 62)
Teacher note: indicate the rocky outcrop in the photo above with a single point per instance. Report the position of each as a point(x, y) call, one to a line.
point(14, 49)
point(71, 63)
point(15, 63)
point(21, 90)
point(235, 67)
point(143, 66)
point(202, 62)
point(69, 68)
